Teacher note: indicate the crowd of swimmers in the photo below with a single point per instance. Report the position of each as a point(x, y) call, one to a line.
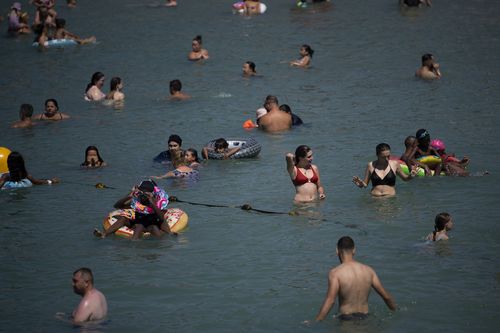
point(144, 206)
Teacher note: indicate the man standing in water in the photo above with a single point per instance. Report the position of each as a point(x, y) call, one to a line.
point(352, 282)
point(93, 305)
point(274, 120)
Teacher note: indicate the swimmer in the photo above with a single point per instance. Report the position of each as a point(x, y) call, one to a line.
point(424, 149)
point(18, 176)
point(71, 3)
point(93, 305)
point(174, 148)
point(52, 111)
point(182, 170)
point(25, 114)
point(142, 210)
point(442, 224)
point(171, 3)
point(296, 121)
point(274, 120)
point(408, 156)
point(382, 173)
point(305, 175)
point(45, 13)
point(352, 282)
point(62, 33)
point(115, 89)
point(191, 158)
point(220, 147)
point(249, 69)
point(198, 52)
point(41, 35)
point(306, 53)
point(430, 69)
point(92, 158)
point(175, 91)
point(93, 91)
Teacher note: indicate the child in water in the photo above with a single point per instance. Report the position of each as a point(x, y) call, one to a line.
point(92, 158)
point(306, 53)
point(18, 176)
point(442, 224)
point(220, 147)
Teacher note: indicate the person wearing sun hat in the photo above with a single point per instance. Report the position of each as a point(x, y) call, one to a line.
point(15, 26)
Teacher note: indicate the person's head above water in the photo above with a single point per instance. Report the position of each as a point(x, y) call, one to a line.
point(82, 280)
point(410, 141)
point(286, 108)
point(423, 136)
point(26, 111)
point(51, 107)
point(92, 156)
point(442, 221)
point(17, 169)
point(192, 156)
point(381, 150)
point(196, 43)
point(115, 83)
point(270, 102)
point(345, 245)
point(220, 144)
point(60, 23)
point(303, 152)
point(97, 79)
point(174, 139)
point(306, 50)
point(427, 59)
point(249, 68)
point(175, 86)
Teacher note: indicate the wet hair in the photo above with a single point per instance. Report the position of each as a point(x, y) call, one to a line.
point(345, 243)
point(382, 147)
point(89, 148)
point(308, 50)
point(198, 39)
point(410, 140)
point(195, 154)
point(286, 108)
point(86, 273)
point(426, 57)
point(26, 111)
point(272, 99)
point(175, 85)
point(251, 64)
point(175, 138)
point(53, 101)
point(17, 170)
point(221, 143)
point(60, 23)
point(115, 81)
point(147, 185)
point(422, 133)
point(440, 223)
point(95, 78)
point(301, 152)
point(178, 160)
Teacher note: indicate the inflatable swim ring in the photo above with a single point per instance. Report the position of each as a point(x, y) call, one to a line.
point(20, 184)
point(430, 160)
point(249, 148)
point(176, 218)
point(239, 7)
point(57, 43)
point(406, 171)
point(4, 153)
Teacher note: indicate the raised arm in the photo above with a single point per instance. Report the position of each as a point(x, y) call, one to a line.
point(290, 165)
point(377, 285)
point(331, 294)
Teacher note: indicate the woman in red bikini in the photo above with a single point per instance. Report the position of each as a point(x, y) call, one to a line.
point(304, 175)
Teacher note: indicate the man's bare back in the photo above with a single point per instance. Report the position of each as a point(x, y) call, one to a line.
point(352, 282)
point(93, 306)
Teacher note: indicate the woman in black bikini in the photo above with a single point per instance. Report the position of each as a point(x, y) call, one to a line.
point(52, 111)
point(382, 173)
point(304, 175)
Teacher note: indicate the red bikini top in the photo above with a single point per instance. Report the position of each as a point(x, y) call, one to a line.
point(301, 179)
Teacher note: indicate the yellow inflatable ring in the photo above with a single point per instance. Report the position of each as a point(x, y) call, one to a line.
point(4, 153)
point(176, 218)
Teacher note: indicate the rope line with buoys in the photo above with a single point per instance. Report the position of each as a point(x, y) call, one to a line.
point(246, 207)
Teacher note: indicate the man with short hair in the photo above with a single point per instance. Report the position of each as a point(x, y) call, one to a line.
point(93, 305)
point(352, 282)
point(274, 120)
